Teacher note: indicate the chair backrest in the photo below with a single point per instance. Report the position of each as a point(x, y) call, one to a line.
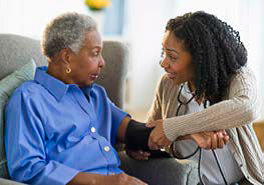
point(16, 51)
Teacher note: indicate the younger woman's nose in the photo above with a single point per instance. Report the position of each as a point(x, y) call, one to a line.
point(164, 63)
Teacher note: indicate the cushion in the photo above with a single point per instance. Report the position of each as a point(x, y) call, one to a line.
point(7, 86)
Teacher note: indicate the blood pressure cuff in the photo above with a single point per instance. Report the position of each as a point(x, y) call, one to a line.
point(137, 135)
point(136, 138)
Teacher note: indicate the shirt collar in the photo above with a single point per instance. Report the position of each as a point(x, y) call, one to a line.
point(87, 89)
point(56, 87)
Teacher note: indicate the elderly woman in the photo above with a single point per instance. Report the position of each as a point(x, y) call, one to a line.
point(60, 127)
point(208, 87)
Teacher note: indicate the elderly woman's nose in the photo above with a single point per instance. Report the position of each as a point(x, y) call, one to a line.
point(102, 62)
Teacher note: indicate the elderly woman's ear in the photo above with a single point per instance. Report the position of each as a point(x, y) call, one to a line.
point(64, 55)
point(61, 61)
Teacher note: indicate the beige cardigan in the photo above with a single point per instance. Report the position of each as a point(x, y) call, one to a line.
point(235, 114)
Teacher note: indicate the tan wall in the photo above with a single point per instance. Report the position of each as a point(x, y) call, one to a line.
point(259, 129)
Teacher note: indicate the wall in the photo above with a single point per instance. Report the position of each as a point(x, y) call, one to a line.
point(145, 28)
point(29, 17)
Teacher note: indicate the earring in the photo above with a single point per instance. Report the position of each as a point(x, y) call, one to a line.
point(68, 70)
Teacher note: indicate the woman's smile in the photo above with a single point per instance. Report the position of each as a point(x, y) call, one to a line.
point(171, 75)
point(94, 76)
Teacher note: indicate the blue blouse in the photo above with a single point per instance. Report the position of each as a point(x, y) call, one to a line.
point(53, 131)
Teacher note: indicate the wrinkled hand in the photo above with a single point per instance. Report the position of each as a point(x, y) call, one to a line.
point(211, 140)
point(117, 179)
point(157, 138)
point(138, 154)
point(123, 179)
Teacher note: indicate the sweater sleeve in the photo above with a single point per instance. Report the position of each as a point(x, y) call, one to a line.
point(154, 112)
point(238, 109)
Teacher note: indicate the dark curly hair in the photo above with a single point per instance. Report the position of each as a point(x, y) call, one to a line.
point(216, 50)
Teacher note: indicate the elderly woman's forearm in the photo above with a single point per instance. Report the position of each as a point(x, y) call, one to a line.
point(122, 129)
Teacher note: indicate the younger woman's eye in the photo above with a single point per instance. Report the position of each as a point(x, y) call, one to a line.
point(161, 57)
point(173, 58)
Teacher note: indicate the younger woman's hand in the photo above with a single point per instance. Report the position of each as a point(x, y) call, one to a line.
point(157, 138)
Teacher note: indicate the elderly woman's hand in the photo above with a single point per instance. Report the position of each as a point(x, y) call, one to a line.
point(211, 140)
point(138, 154)
point(157, 138)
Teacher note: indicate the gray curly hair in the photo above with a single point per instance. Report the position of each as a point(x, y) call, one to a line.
point(66, 31)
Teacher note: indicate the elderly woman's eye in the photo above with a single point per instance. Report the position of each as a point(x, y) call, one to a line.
point(96, 54)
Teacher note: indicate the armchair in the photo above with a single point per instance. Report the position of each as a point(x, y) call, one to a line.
point(15, 51)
